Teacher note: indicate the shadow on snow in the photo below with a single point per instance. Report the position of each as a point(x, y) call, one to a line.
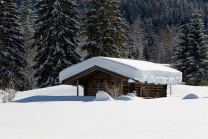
point(191, 96)
point(55, 98)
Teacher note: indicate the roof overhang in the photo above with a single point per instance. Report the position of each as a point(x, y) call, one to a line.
point(138, 70)
point(89, 72)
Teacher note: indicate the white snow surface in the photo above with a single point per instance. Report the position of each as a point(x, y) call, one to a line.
point(103, 96)
point(128, 97)
point(57, 113)
point(131, 94)
point(134, 69)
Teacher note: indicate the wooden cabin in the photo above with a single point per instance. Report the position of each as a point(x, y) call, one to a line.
point(115, 82)
point(98, 79)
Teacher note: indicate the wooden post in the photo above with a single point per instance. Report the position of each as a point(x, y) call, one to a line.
point(77, 87)
point(128, 86)
point(148, 90)
point(170, 90)
point(107, 91)
point(121, 86)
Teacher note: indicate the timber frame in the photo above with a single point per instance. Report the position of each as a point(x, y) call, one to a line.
point(99, 79)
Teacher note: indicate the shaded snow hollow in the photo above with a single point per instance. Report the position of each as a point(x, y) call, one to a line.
point(134, 69)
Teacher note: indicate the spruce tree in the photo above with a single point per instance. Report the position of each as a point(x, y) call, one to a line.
point(55, 38)
point(181, 50)
point(27, 19)
point(105, 29)
point(161, 54)
point(12, 59)
point(150, 51)
point(197, 54)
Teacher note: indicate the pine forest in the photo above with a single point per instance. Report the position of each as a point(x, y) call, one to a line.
point(40, 38)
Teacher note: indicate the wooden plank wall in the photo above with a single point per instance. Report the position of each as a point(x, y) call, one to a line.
point(102, 82)
point(154, 90)
point(109, 83)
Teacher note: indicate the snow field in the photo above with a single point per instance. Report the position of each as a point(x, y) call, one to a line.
point(162, 118)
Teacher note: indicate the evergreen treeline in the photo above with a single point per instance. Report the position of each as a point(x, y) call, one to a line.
point(105, 29)
point(55, 38)
point(12, 59)
point(39, 38)
point(191, 51)
point(163, 12)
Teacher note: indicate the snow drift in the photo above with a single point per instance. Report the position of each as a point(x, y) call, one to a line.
point(103, 96)
point(191, 96)
point(134, 69)
point(129, 96)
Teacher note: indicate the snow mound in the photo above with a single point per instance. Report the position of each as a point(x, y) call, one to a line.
point(61, 90)
point(191, 96)
point(103, 96)
point(131, 95)
point(52, 94)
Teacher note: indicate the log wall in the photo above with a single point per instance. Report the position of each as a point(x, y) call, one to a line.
point(103, 82)
point(113, 86)
point(154, 90)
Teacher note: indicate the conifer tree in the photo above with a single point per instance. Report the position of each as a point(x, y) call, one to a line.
point(55, 38)
point(197, 54)
point(12, 59)
point(150, 51)
point(161, 53)
point(27, 19)
point(181, 50)
point(105, 29)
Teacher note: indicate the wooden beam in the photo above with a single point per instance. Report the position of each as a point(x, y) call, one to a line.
point(148, 90)
point(87, 72)
point(77, 87)
point(121, 86)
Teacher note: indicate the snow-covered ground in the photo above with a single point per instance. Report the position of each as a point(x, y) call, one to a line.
point(56, 113)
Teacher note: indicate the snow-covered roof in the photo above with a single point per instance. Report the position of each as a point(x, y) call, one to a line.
point(134, 69)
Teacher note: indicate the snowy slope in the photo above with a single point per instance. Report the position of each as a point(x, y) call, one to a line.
point(163, 118)
point(134, 69)
point(52, 91)
point(180, 91)
point(55, 93)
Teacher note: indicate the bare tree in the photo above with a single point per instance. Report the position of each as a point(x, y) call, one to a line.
point(114, 89)
point(165, 42)
point(9, 93)
point(137, 36)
